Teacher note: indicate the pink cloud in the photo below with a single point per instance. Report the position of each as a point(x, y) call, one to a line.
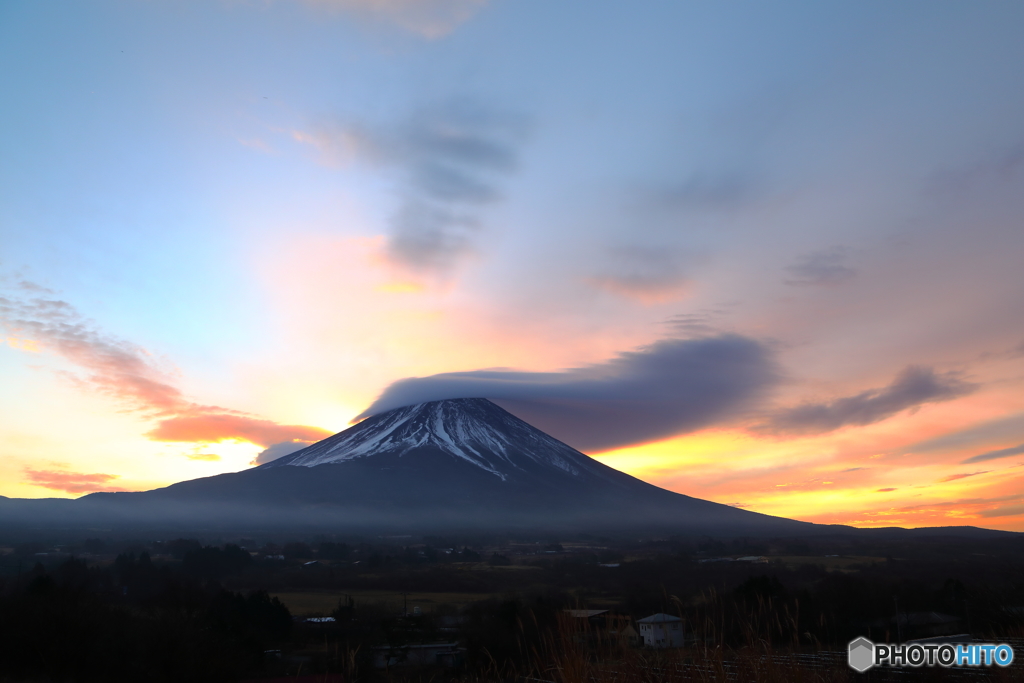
point(72, 482)
point(954, 477)
point(111, 366)
point(132, 375)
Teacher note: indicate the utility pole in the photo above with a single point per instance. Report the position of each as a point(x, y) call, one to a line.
point(899, 635)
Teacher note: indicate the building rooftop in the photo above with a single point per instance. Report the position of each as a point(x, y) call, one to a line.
point(659, 618)
point(418, 646)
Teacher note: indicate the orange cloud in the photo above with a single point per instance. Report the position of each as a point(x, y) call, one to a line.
point(72, 482)
point(647, 293)
point(220, 426)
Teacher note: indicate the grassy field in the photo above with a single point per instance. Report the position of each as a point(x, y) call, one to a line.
point(322, 603)
point(842, 563)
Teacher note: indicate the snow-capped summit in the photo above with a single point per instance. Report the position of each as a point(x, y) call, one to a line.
point(470, 430)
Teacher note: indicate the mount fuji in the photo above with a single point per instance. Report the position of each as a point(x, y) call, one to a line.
point(458, 463)
point(467, 432)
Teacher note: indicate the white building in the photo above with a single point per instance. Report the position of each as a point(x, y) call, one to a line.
point(661, 630)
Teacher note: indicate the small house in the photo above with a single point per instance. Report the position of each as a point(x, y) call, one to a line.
point(661, 630)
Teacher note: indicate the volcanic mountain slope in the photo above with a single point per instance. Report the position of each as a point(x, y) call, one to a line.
point(470, 458)
point(460, 463)
point(455, 464)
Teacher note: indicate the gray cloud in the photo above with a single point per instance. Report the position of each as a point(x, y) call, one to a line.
point(1004, 511)
point(465, 134)
point(700, 324)
point(912, 387)
point(993, 455)
point(452, 161)
point(446, 184)
point(1003, 166)
point(279, 450)
point(1003, 429)
point(454, 158)
point(429, 236)
point(27, 286)
point(669, 387)
point(821, 268)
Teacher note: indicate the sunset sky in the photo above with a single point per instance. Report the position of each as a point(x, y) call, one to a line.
point(765, 254)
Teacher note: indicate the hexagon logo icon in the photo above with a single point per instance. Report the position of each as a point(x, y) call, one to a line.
point(861, 654)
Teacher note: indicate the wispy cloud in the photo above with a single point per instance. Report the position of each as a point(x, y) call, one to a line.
point(913, 387)
point(955, 477)
point(112, 366)
point(667, 388)
point(700, 324)
point(451, 160)
point(72, 482)
point(1003, 511)
point(1001, 166)
point(1004, 429)
point(130, 374)
point(993, 455)
point(969, 502)
point(647, 274)
point(824, 268)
